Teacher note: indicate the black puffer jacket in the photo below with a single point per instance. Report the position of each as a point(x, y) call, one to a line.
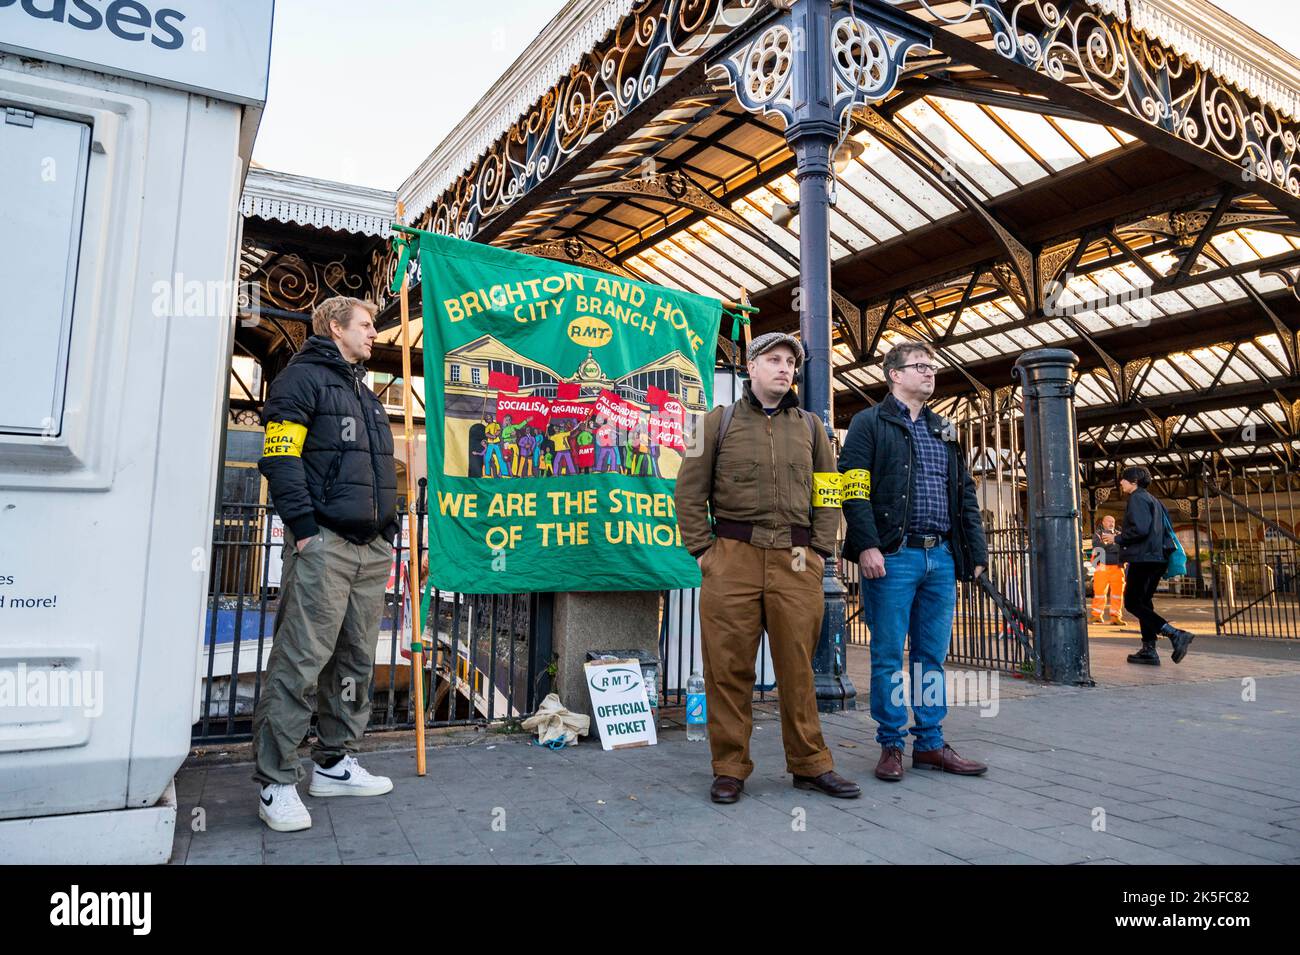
point(1143, 539)
point(328, 454)
point(880, 443)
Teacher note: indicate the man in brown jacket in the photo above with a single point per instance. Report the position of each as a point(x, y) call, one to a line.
point(759, 509)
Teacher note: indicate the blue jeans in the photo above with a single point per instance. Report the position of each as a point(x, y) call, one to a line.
point(494, 453)
point(916, 596)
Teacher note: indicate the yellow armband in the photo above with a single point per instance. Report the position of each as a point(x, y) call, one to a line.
point(284, 439)
point(826, 488)
point(857, 484)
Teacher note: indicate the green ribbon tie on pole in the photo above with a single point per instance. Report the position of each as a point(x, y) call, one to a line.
point(403, 249)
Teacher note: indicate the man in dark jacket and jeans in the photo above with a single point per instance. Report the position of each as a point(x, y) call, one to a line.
point(914, 528)
point(328, 457)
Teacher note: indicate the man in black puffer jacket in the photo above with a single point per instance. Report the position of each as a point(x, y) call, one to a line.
point(328, 457)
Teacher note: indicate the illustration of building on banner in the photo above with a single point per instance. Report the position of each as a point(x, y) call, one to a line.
point(510, 416)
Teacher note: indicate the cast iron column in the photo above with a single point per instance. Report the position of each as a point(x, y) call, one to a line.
point(1051, 451)
point(812, 138)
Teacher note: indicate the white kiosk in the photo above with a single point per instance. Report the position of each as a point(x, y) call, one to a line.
point(126, 128)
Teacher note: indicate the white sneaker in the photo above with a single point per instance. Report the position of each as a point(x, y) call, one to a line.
point(347, 778)
point(280, 807)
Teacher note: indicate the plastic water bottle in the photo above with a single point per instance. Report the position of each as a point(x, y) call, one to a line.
point(697, 715)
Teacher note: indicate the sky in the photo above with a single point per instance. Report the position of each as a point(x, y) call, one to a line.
point(363, 92)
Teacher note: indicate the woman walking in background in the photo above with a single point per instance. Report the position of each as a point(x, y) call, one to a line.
point(1146, 545)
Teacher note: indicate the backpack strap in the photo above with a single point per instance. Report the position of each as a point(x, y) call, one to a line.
point(728, 413)
point(811, 421)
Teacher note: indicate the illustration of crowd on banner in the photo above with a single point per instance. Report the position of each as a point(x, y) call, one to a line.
point(586, 428)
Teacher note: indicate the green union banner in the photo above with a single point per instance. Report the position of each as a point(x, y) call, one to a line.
point(556, 403)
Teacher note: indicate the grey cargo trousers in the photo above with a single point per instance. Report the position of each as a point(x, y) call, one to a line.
point(323, 654)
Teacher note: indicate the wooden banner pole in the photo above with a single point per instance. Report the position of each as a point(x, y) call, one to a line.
point(414, 584)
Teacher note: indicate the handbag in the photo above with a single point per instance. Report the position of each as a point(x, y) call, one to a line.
point(1177, 566)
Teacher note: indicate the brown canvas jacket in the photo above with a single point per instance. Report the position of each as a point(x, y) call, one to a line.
point(764, 476)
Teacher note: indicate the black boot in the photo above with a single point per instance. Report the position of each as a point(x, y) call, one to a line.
point(1181, 640)
point(1146, 655)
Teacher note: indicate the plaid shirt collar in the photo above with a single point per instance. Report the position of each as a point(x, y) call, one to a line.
point(894, 406)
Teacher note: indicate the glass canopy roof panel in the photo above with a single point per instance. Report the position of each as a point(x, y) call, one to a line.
point(1273, 411)
point(698, 259)
point(759, 251)
point(650, 264)
point(1265, 244)
point(1227, 289)
point(756, 209)
point(1003, 345)
point(1265, 284)
point(1041, 137)
point(1268, 361)
point(964, 352)
point(1273, 346)
point(1093, 138)
point(1195, 371)
point(754, 272)
point(1089, 391)
point(1160, 379)
point(845, 229)
point(1200, 296)
point(1011, 159)
point(1231, 246)
point(938, 138)
point(894, 189)
point(855, 201)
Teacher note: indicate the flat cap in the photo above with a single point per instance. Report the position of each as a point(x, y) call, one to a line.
point(765, 343)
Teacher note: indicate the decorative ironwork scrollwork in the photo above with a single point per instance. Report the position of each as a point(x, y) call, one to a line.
point(610, 82)
point(676, 188)
point(294, 284)
point(1090, 49)
point(579, 253)
point(866, 59)
point(762, 72)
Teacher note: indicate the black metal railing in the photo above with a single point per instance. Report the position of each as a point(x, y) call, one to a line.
point(482, 656)
point(680, 653)
point(991, 625)
point(1254, 552)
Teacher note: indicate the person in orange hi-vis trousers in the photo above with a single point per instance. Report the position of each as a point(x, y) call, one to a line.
point(1109, 574)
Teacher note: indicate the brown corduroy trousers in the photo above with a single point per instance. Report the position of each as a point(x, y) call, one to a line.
point(747, 589)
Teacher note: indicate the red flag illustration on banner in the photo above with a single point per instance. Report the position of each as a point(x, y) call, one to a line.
point(666, 424)
point(575, 410)
point(622, 414)
point(534, 411)
point(655, 397)
point(566, 391)
point(500, 381)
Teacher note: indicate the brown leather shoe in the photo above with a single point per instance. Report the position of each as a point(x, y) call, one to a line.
point(948, 761)
point(726, 789)
point(890, 766)
point(831, 783)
